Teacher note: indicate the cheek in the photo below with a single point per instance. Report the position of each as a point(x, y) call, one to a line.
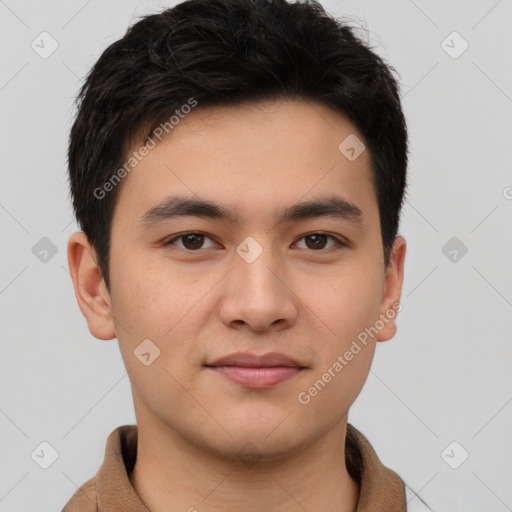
point(346, 305)
point(143, 300)
point(164, 310)
point(333, 387)
point(347, 309)
point(151, 321)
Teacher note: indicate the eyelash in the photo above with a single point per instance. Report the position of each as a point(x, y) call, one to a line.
point(339, 243)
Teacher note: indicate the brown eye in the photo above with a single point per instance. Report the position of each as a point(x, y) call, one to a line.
point(192, 240)
point(319, 241)
point(189, 241)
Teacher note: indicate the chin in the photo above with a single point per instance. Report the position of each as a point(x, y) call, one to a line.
point(270, 439)
point(251, 448)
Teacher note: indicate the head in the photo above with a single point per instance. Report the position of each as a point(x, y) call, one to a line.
point(197, 136)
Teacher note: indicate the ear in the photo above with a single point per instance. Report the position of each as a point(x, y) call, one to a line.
point(393, 289)
point(90, 290)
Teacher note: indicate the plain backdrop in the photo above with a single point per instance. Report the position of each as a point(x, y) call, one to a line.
point(439, 392)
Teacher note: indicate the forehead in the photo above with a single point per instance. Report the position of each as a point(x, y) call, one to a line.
point(257, 154)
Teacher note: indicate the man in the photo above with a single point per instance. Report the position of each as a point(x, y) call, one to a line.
point(238, 169)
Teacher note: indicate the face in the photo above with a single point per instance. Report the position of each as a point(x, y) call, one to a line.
point(256, 276)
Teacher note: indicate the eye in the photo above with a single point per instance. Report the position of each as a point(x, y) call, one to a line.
point(191, 241)
point(318, 241)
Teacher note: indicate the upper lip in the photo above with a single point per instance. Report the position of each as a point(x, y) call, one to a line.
point(253, 360)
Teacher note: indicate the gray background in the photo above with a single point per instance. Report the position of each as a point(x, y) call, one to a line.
point(445, 376)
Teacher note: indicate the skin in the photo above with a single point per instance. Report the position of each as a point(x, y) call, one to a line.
point(200, 304)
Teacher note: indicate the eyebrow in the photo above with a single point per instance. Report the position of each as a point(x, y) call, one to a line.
point(180, 206)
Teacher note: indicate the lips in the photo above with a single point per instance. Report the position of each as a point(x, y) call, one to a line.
point(256, 371)
point(252, 360)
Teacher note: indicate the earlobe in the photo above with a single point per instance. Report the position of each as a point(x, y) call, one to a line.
point(90, 290)
point(393, 290)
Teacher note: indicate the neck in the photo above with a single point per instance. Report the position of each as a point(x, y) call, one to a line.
point(170, 471)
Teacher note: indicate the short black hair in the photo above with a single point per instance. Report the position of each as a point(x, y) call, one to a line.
point(229, 52)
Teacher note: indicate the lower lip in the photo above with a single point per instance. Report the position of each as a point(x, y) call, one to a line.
point(257, 377)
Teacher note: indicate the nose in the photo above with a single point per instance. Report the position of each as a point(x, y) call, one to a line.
point(258, 292)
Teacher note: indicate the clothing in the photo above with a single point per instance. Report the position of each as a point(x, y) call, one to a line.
point(110, 490)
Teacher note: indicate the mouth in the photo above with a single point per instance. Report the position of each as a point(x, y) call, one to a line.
point(255, 371)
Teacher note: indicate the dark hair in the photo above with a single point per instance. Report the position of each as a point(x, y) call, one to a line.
point(227, 52)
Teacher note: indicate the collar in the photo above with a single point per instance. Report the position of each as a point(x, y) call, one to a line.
point(110, 490)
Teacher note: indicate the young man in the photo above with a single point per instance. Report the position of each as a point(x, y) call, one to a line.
point(238, 169)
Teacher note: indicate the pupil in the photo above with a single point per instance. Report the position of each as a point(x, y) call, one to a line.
point(195, 238)
point(319, 238)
